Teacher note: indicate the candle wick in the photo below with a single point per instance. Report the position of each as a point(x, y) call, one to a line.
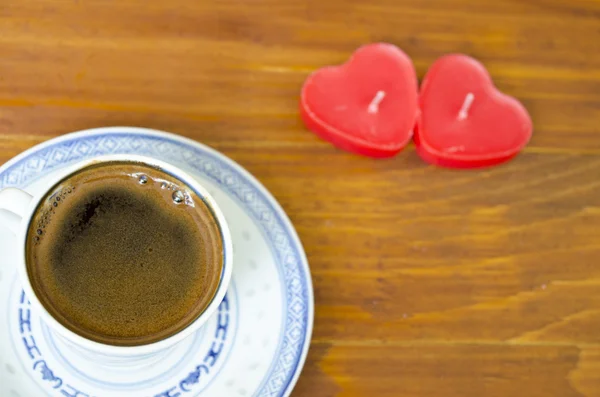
point(466, 106)
point(374, 105)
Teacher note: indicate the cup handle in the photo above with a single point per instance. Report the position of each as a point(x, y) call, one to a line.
point(13, 205)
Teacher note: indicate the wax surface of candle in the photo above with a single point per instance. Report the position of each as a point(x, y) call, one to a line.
point(367, 105)
point(465, 122)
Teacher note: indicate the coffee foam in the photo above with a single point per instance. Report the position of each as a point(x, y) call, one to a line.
point(113, 286)
point(47, 211)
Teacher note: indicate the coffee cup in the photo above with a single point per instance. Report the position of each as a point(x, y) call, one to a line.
point(86, 259)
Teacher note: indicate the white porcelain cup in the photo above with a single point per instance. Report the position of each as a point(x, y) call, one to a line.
point(17, 207)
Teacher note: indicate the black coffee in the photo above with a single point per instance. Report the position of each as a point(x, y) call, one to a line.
point(124, 254)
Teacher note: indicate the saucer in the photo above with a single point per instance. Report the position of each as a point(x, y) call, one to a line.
point(256, 343)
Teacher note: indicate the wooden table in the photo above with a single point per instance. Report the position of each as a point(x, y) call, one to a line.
point(428, 282)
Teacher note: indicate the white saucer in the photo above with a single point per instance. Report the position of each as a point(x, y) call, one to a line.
point(257, 343)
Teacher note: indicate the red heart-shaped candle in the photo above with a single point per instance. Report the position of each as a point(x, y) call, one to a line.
point(465, 122)
point(367, 105)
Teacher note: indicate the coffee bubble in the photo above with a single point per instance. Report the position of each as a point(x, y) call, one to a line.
point(178, 196)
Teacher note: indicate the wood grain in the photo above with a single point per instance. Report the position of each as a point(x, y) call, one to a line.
point(428, 282)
